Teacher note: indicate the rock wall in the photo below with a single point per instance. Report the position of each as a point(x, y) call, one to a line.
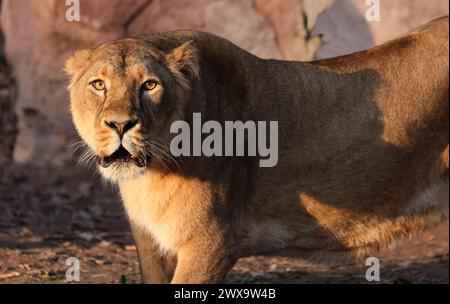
point(7, 114)
point(345, 29)
point(39, 39)
point(400, 16)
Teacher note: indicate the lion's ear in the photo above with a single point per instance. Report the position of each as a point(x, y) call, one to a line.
point(185, 59)
point(77, 62)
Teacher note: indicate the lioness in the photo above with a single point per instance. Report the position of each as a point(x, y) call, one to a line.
point(363, 147)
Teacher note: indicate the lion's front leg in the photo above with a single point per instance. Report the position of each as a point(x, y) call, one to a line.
point(156, 267)
point(203, 263)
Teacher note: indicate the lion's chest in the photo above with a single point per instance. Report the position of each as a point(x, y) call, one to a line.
point(151, 208)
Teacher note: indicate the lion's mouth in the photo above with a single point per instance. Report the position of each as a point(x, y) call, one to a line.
point(121, 155)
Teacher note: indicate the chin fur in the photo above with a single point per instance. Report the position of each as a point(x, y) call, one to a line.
point(121, 171)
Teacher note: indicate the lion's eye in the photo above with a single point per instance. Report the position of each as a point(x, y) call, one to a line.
point(149, 85)
point(99, 85)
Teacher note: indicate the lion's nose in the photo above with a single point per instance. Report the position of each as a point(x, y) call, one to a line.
point(122, 127)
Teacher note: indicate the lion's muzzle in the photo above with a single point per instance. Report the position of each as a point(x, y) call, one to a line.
point(121, 155)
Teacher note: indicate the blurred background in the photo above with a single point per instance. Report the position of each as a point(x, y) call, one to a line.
point(38, 174)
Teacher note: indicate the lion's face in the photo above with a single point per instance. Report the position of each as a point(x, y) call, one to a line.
point(124, 97)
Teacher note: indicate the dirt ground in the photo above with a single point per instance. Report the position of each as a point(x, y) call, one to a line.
point(50, 214)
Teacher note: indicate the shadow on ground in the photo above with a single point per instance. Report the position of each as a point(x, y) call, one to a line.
point(50, 214)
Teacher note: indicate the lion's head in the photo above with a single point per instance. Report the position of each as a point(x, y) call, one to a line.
point(124, 96)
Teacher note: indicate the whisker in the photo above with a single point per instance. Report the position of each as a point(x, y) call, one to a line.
point(158, 158)
point(87, 158)
point(163, 150)
point(78, 146)
point(166, 154)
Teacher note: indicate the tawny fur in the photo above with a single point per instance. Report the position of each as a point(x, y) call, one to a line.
point(363, 148)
